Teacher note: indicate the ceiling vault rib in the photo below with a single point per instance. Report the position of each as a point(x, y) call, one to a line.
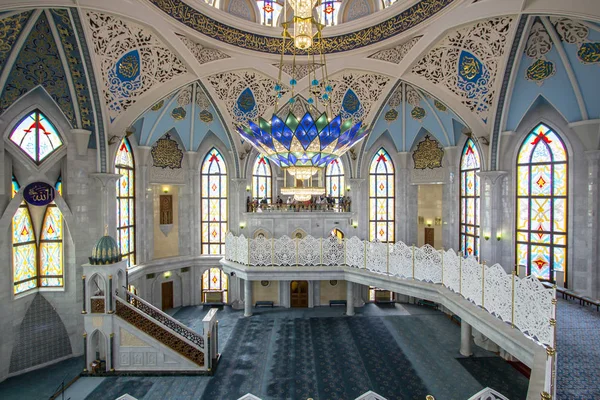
point(10, 61)
point(567, 64)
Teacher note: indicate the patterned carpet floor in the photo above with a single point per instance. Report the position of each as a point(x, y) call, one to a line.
point(402, 352)
point(578, 350)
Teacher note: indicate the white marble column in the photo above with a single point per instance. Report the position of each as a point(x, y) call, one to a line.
point(465, 339)
point(349, 298)
point(247, 298)
point(593, 221)
point(492, 224)
point(145, 207)
point(359, 197)
point(450, 201)
point(108, 195)
point(407, 202)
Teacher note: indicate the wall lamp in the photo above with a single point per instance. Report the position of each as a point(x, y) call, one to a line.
point(498, 236)
point(247, 188)
point(486, 237)
point(355, 224)
point(167, 274)
point(242, 225)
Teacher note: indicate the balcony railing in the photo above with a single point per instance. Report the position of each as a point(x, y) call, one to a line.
point(304, 206)
point(522, 302)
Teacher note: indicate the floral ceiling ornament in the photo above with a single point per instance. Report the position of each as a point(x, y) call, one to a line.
point(429, 154)
point(396, 54)
point(575, 32)
point(166, 153)
point(202, 54)
point(538, 45)
point(466, 62)
point(132, 60)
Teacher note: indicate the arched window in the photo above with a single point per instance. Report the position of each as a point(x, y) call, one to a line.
point(36, 137)
point(269, 11)
point(125, 166)
point(214, 286)
point(29, 271)
point(214, 203)
point(541, 236)
point(328, 11)
point(334, 179)
point(470, 165)
point(51, 245)
point(381, 198)
point(261, 179)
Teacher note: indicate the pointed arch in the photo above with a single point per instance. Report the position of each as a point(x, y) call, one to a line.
point(381, 197)
point(24, 247)
point(51, 245)
point(125, 188)
point(541, 209)
point(335, 179)
point(262, 179)
point(469, 199)
point(214, 284)
point(36, 136)
point(213, 203)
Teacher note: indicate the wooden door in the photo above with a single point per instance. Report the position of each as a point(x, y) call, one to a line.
point(299, 294)
point(167, 295)
point(429, 237)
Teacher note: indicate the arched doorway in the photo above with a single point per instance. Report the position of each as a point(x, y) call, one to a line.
point(299, 294)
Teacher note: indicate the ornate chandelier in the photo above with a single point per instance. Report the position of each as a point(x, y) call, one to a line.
point(303, 145)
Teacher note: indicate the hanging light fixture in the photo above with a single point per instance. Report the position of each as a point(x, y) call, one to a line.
point(304, 146)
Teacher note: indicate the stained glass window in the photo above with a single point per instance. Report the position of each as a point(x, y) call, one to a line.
point(269, 11)
point(541, 236)
point(27, 268)
point(334, 179)
point(214, 280)
point(125, 166)
point(214, 203)
point(381, 197)
point(328, 11)
point(261, 179)
point(336, 233)
point(36, 136)
point(470, 165)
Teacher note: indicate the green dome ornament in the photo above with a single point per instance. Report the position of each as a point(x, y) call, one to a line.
point(106, 251)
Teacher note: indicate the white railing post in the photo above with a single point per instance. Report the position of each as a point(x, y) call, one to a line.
point(321, 251)
point(460, 257)
point(249, 263)
point(365, 254)
point(272, 251)
point(512, 318)
point(442, 266)
point(388, 258)
point(345, 243)
point(413, 262)
point(483, 285)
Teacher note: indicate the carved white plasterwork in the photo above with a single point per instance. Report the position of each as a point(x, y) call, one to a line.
point(240, 8)
point(412, 96)
point(570, 31)
point(112, 38)
point(202, 54)
point(396, 98)
point(538, 42)
point(356, 9)
point(487, 40)
point(298, 71)
point(367, 87)
point(229, 86)
point(396, 54)
point(167, 175)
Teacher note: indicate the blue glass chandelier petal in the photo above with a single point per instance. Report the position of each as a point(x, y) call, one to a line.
point(312, 133)
point(316, 158)
point(302, 137)
point(292, 158)
point(307, 121)
point(286, 137)
point(334, 126)
point(325, 138)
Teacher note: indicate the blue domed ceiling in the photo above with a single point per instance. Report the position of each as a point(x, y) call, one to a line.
point(409, 113)
point(188, 112)
point(560, 65)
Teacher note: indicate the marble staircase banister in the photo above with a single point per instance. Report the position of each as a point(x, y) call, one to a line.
point(166, 320)
point(167, 337)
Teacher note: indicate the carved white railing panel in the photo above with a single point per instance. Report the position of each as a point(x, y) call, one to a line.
point(498, 292)
point(471, 284)
point(309, 251)
point(401, 260)
point(333, 251)
point(284, 251)
point(428, 264)
point(243, 252)
point(533, 306)
point(377, 257)
point(490, 287)
point(355, 252)
point(451, 270)
point(260, 251)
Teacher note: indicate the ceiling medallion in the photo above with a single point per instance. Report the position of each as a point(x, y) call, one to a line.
point(303, 145)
